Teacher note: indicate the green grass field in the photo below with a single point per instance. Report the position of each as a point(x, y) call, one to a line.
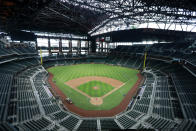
point(63, 74)
point(103, 88)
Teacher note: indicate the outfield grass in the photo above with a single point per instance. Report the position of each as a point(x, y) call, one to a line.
point(103, 88)
point(63, 74)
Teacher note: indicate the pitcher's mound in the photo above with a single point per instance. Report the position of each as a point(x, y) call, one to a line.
point(96, 101)
point(95, 88)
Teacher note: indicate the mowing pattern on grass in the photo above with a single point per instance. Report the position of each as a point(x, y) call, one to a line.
point(102, 88)
point(62, 74)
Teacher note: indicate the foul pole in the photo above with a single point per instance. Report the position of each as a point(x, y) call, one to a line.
point(145, 55)
point(41, 56)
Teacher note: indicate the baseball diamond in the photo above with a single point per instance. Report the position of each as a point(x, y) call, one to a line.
point(94, 86)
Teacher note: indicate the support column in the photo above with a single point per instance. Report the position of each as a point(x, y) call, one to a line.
point(49, 47)
point(36, 46)
point(87, 46)
point(79, 47)
point(70, 46)
point(107, 47)
point(60, 46)
point(105, 50)
point(93, 46)
point(101, 47)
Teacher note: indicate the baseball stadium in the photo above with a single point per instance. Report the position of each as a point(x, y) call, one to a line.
point(97, 65)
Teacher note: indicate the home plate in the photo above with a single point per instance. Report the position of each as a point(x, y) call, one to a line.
point(96, 100)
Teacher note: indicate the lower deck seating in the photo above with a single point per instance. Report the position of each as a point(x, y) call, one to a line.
point(51, 108)
point(141, 108)
point(185, 87)
point(144, 101)
point(109, 124)
point(4, 126)
point(140, 127)
point(126, 122)
point(5, 87)
point(134, 114)
point(70, 122)
point(163, 111)
point(36, 125)
point(159, 123)
point(60, 115)
point(186, 125)
point(55, 128)
point(26, 113)
point(88, 125)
